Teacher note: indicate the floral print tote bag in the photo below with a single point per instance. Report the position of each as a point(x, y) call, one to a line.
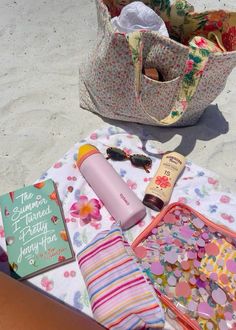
point(194, 63)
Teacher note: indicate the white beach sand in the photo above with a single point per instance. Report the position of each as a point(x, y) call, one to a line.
point(42, 44)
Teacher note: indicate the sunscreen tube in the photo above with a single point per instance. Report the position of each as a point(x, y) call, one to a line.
point(159, 190)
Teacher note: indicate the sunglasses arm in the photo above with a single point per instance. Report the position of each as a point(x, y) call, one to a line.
point(146, 169)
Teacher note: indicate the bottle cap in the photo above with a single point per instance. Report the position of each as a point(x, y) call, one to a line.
point(84, 152)
point(153, 202)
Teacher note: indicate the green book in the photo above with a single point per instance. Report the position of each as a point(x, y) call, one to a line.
point(35, 232)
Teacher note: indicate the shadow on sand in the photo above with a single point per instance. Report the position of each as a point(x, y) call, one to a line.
point(211, 124)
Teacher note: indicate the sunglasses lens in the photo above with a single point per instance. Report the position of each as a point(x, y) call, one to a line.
point(140, 160)
point(116, 154)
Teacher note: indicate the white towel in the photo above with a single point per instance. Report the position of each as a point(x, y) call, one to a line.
point(196, 187)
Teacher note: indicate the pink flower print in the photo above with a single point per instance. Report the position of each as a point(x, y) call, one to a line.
point(227, 217)
point(95, 224)
point(201, 42)
point(67, 274)
point(182, 200)
point(188, 66)
point(57, 165)
point(199, 73)
point(184, 105)
point(71, 178)
point(187, 178)
point(68, 220)
point(224, 199)
point(1, 231)
point(86, 210)
point(93, 136)
point(72, 273)
point(212, 181)
point(47, 284)
point(141, 223)
point(132, 185)
point(162, 181)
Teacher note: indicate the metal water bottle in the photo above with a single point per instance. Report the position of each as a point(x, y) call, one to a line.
point(120, 201)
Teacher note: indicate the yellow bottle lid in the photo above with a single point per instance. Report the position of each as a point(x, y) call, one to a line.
point(84, 152)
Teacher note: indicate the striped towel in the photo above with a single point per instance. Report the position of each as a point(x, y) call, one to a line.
point(120, 294)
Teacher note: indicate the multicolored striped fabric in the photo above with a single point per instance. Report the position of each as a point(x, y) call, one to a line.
point(120, 294)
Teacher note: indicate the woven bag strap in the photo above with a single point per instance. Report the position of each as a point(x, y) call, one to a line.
point(199, 52)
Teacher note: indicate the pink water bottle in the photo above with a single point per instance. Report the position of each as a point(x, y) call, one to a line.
point(120, 201)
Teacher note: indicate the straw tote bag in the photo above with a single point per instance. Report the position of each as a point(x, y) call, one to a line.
point(194, 62)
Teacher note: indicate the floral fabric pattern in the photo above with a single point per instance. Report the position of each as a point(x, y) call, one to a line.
point(184, 23)
point(196, 187)
point(87, 210)
point(199, 52)
point(163, 182)
point(229, 38)
point(112, 82)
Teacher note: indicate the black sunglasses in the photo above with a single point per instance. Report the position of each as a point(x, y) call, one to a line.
point(136, 159)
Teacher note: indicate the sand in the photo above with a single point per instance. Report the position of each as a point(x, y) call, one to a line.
point(42, 45)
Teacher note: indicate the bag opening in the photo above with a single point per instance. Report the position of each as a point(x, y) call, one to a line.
point(183, 23)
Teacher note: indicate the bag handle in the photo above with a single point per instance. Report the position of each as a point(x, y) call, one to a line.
point(200, 50)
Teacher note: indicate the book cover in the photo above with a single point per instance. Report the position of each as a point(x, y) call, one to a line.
point(35, 232)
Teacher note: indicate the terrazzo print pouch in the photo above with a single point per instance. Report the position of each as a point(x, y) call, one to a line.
point(192, 263)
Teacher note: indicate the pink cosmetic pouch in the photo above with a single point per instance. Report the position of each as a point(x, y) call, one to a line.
point(191, 262)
